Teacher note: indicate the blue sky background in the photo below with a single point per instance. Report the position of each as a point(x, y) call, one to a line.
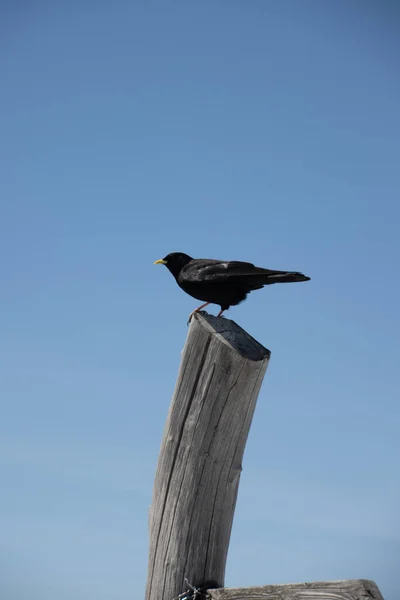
point(262, 131)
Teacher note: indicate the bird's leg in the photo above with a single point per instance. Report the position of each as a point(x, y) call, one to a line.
point(220, 312)
point(197, 310)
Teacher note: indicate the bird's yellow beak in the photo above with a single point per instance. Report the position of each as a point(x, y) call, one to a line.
point(160, 262)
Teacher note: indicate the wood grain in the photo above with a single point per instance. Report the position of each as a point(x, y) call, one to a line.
point(200, 460)
point(352, 589)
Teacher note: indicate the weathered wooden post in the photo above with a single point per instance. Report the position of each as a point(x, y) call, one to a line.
point(199, 468)
point(201, 453)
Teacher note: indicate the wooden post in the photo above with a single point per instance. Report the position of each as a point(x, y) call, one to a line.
point(200, 460)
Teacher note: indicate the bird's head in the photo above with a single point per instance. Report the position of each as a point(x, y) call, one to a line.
point(174, 262)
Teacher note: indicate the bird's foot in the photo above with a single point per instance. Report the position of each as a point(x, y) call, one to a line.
point(191, 315)
point(197, 310)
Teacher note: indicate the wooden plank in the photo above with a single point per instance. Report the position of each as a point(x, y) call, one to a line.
point(200, 460)
point(351, 589)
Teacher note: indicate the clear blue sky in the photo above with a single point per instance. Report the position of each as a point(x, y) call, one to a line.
point(265, 131)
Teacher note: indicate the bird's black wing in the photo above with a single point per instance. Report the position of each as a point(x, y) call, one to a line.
point(218, 271)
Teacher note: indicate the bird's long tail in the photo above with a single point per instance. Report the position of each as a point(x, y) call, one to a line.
point(270, 277)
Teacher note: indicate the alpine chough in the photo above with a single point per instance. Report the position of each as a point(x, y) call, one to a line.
point(226, 283)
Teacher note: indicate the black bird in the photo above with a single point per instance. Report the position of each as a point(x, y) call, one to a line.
point(226, 283)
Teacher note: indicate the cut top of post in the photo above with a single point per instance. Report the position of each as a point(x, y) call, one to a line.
point(233, 336)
